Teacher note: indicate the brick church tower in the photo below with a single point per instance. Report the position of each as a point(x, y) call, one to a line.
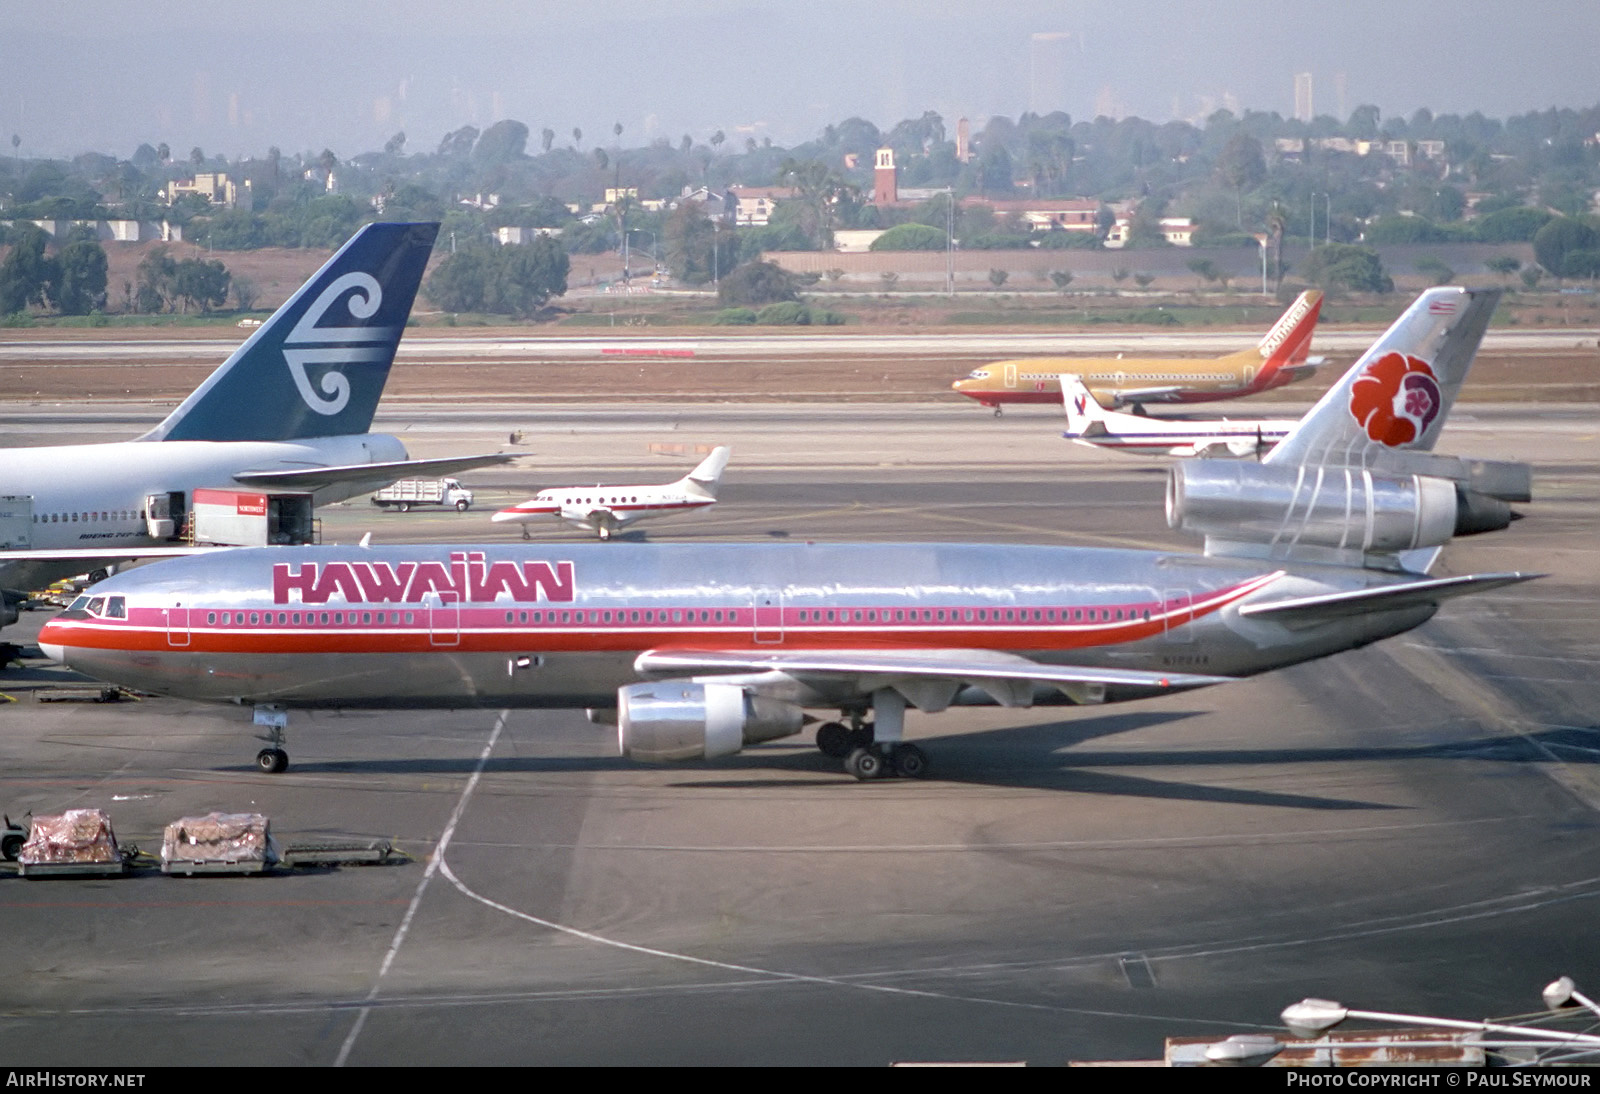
point(885, 184)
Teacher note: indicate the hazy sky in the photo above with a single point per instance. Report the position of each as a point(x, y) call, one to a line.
point(347, 74)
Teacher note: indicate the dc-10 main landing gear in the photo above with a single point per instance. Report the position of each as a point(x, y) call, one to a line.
point(873, 750)
point(272, 760)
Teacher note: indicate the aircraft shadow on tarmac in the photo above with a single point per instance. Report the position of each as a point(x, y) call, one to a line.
point(1035, 757)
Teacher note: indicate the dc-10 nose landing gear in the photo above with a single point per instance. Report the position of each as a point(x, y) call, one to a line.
point(272, 760)
point(873, 750)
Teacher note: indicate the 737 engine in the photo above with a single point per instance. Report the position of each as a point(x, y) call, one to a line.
point(1337, 508)
point(680, 720)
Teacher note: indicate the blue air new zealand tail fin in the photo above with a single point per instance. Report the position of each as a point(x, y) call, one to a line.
point(1394, 401)
point(318, 366)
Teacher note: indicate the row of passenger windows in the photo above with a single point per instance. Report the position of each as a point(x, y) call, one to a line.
point(972, 615)
point(643, 615)
point(310, 619)
point(859, 615)
point(676, 615)
point(1127, 377)
point(85, 518)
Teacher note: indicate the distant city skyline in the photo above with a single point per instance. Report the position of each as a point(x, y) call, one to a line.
point(302, 76)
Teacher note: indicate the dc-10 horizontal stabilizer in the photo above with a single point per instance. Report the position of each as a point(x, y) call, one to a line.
point(373, 475)
point(1310, 610)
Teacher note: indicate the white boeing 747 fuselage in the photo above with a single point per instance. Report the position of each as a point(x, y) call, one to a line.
point(95, 495)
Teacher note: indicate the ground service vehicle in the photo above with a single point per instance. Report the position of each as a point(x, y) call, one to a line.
point(407, 494)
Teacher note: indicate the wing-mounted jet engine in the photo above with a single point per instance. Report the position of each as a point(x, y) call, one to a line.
point(683, 720)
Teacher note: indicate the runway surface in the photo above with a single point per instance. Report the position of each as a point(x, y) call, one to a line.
point(430, 344)
point(491, 368)
point(1409, 827)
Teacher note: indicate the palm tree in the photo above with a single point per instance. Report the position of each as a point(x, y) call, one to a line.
point(1277, 223)
point(817, 188)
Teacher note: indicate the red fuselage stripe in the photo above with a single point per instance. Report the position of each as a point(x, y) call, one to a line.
point(488, 629)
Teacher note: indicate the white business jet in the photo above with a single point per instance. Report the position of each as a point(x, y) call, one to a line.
point(606, 510)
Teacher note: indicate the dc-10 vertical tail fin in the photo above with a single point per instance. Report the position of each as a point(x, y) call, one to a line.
point(1396, 397)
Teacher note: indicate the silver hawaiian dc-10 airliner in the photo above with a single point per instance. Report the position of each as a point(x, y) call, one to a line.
point(697, 651)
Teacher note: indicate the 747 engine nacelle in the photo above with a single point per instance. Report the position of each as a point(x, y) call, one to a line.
point(1336, 508)
point(679, 720)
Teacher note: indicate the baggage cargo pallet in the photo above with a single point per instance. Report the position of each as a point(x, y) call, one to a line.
point(372, 853)
point(85, 695)
point(72, 869)
point(185, 868)
point(298, 855)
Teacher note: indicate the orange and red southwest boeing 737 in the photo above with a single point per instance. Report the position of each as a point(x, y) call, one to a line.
point(1280, 358)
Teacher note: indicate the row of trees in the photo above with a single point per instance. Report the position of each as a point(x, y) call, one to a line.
point(166, 284)
point(1226, 170)
point(72, 281)
point(516, 280)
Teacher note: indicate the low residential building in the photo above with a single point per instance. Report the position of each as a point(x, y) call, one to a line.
point(712, 204)
point(216, 187)
point(753, 205)
point(1177, 231)
point(110, 231)
point(1048, 214)
point(852, 241)
point(512, 235)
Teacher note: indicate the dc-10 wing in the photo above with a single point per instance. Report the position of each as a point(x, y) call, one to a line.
point(369, 475)
point(925, 676)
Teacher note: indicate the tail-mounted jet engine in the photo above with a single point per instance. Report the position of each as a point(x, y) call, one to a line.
point(678, 720)
point(1337, 508)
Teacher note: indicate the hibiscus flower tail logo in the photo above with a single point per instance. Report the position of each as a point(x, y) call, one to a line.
point(1395, 399)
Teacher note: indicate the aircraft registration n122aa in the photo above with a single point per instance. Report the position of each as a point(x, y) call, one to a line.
point(697, 651)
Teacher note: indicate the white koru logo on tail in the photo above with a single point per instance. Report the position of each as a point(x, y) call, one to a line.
point(308, 344)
